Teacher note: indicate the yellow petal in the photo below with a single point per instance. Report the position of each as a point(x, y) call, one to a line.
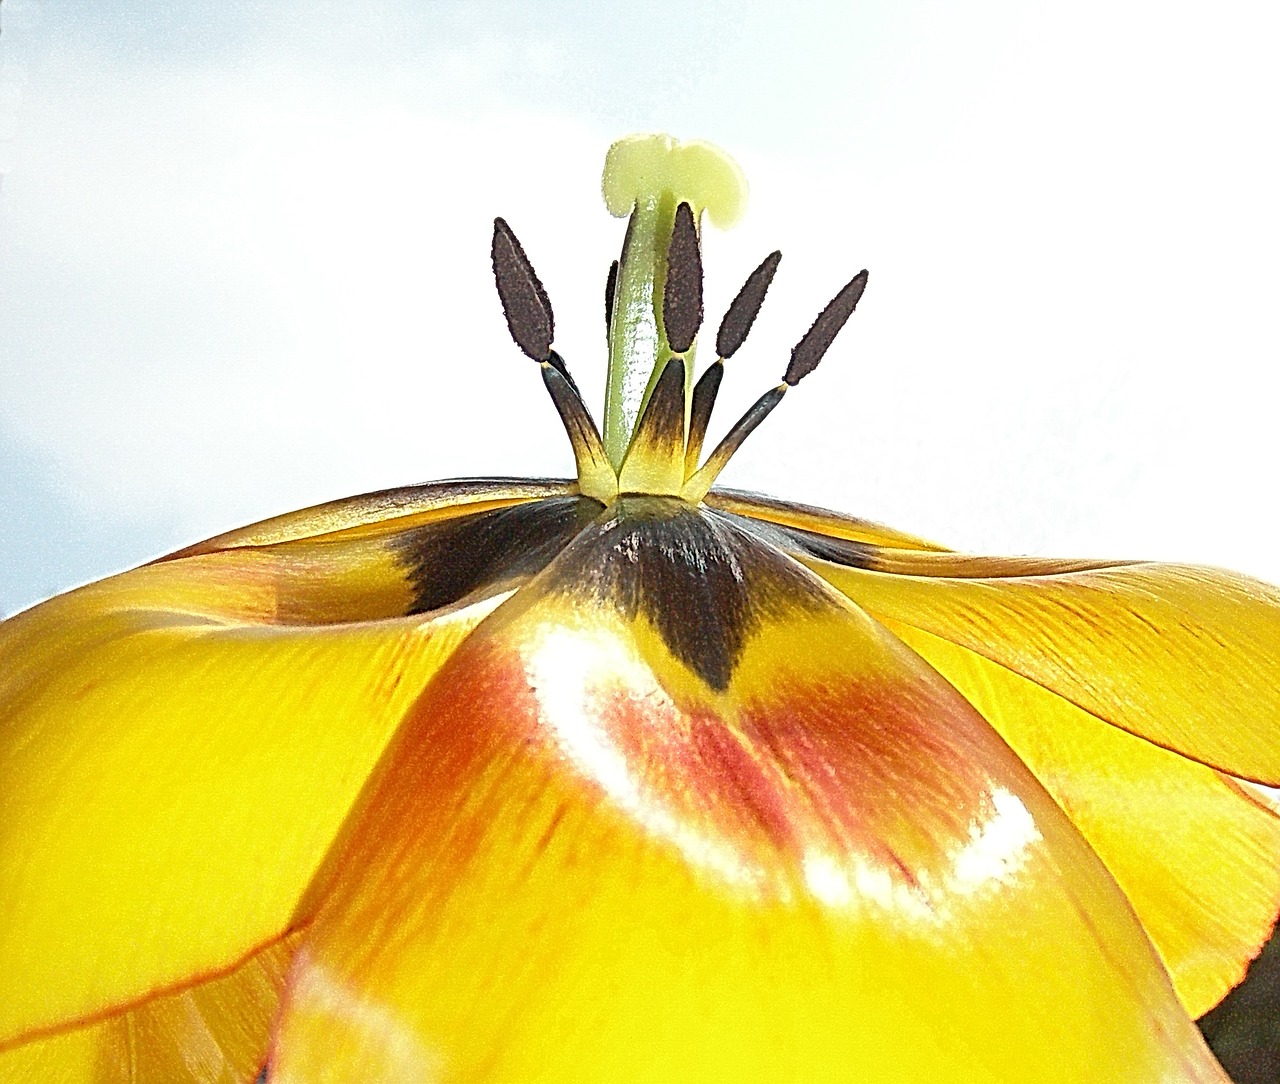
point(179, 744)
point(1195, 851)
point(217, 1032)
point(809, 518)
point(678, 812)
point(388, 510)
point(1186, 657)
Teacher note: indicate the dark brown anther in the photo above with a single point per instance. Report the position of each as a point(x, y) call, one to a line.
point(808, 351)
point(744, 308)
point(682, 295)
point(524, 301)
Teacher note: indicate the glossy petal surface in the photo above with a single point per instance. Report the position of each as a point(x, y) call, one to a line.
point(214, 716)
point(388, 510)
point(810, 518)
point(217, 1032)
point(1186, 657)
point(610, 843)
point(1195, 851)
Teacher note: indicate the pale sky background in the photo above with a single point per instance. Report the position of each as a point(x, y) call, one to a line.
point(244, 258)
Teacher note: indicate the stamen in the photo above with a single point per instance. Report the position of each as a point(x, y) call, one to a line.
point(524, 301)
point(809, 350)
point(741, 314)
point(558, 363)
point(682, 292)
point(805, 356)
point(529, 319)
point(654, 462)
point(704, 399)
point(595, 473)
point(696, 487)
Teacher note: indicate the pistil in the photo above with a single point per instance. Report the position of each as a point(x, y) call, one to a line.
point(648, 177)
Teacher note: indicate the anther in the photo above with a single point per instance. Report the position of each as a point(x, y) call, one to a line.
point(744, 308)
point(682, 294)
point(529, 319)
point(739, 317)
point(805, 356)
point(524, 301)
point(809, 350)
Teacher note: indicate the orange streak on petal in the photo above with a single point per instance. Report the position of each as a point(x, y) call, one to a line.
point(578, 861)
point(214, 1032)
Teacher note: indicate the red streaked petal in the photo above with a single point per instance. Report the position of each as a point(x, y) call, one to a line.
point(586, 858)
point(217, 1032)
point(173, 771)
point(1188, 658)
point(1195, 851)
point(170, 734)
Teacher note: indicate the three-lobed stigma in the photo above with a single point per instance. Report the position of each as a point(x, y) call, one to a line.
point(656, 416)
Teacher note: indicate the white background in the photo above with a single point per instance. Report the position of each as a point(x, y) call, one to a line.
point(244, 259)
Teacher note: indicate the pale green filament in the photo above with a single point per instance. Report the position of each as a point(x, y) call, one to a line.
point(647, 176)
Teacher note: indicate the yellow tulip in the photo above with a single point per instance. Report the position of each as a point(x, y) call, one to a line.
point(629, 778)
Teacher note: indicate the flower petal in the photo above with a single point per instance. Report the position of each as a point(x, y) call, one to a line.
point(170, 735)
point(214, 1033)
point(388, 510)
point(808, 518)
point(1195, 851)
point(615, 843)
point(1186, 657)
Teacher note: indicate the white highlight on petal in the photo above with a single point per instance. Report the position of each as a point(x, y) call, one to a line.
point(827, 879)
point(390, 1046)
point(565, 666)
point(853, 884)
point(997, 847)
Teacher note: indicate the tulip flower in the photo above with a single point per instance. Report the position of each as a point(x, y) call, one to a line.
point(629, 777)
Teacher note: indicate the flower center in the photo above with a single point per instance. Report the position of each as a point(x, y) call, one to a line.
point(656, 417)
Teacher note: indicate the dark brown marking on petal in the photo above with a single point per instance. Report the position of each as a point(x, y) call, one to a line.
point(377, 510)
point(699, 580)
point(744, 308)
point(851, 553)
point(757, 506)
point(682, 294)
point(447, 561)
point(797, 541)
point(524, 301)
point(808, 352)
point(610, 288)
